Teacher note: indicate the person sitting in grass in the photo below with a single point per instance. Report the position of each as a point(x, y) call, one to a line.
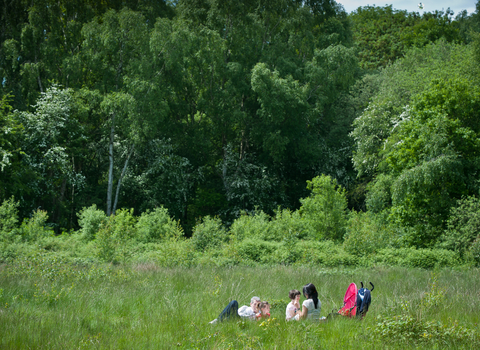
point(264, 308)
point(311, 306)
point(232, 310)
point(293, 307)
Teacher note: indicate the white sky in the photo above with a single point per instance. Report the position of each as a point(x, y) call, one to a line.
point(412, 6)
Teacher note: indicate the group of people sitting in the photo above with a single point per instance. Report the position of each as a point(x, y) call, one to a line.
point(310, 309)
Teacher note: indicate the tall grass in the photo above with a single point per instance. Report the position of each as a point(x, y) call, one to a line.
point(48, 303)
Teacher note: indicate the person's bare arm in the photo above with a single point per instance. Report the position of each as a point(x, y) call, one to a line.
point(291, 312)
point(303, 314)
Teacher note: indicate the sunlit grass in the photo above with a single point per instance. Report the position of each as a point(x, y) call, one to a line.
point(56, 305)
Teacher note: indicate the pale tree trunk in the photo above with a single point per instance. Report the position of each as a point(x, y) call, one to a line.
point(121, 178)
point(110, 170)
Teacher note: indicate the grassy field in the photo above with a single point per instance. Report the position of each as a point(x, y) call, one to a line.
point(50, 304)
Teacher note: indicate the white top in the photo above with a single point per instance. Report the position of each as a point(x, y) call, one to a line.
point(246, 311)
point(313, 314)
point(290, 312)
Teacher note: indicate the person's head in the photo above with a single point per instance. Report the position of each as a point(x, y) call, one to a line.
point(293, 294)
point(254, 303)
point(310, 292)
point(264, 308)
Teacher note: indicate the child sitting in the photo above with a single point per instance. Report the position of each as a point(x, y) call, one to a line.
point(293, 308)
point(264, 308)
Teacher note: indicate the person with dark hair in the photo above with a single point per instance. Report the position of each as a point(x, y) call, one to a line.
point(311, 306)
point(293, 307)
point(232, 310)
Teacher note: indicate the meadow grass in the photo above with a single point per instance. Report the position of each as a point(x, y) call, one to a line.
point(48, 303)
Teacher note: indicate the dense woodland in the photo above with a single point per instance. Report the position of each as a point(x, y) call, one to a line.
point(223, 109)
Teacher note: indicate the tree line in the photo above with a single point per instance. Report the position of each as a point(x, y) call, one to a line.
point(214, 107)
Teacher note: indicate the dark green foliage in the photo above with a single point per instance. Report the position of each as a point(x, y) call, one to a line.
point(8, 220)
point(384, 35)
point(417, 142)
point(475, 251)
point(463, 225)
point(214, 108)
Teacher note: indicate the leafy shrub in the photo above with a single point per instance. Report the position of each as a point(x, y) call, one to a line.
point(124, 234)
point(35, 228)
point(114, 240)
point(423, 258)
point(411, 327)
point(324, 253)
point(288, 252)
point(325, 209)
point(463, 225)
point(475, 251)
point(252, 226)
point(406, 328)
point(367, 233)
point(379, 195)
point(209, 233)
point(288, 223)
point(257, 250)
point(11, 251)
point(157, 225)
point(168, 254)
point(429, 258)
point(90, 220)
point(105, 242)
point(124, 224)
point(8, 220)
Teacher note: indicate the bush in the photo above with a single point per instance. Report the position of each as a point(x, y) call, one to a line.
point(114, 240)
point(378, 196)
point(252, 226)
point(11, 251)
point(287, 224)
point(124, 224)
point(257, 250)
point(367, 233)
point(429, 334)
point(8, 220)
point(325, 209)
point(168, 254)
point(90, 220)
point(35, 227)
point(411, 326)
point(423, 258)
point(157, 225)
point(325, 253)
point(105, 242)
point(260, 226)
point(463, 225)
point(475, 251)
point(209, 233)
